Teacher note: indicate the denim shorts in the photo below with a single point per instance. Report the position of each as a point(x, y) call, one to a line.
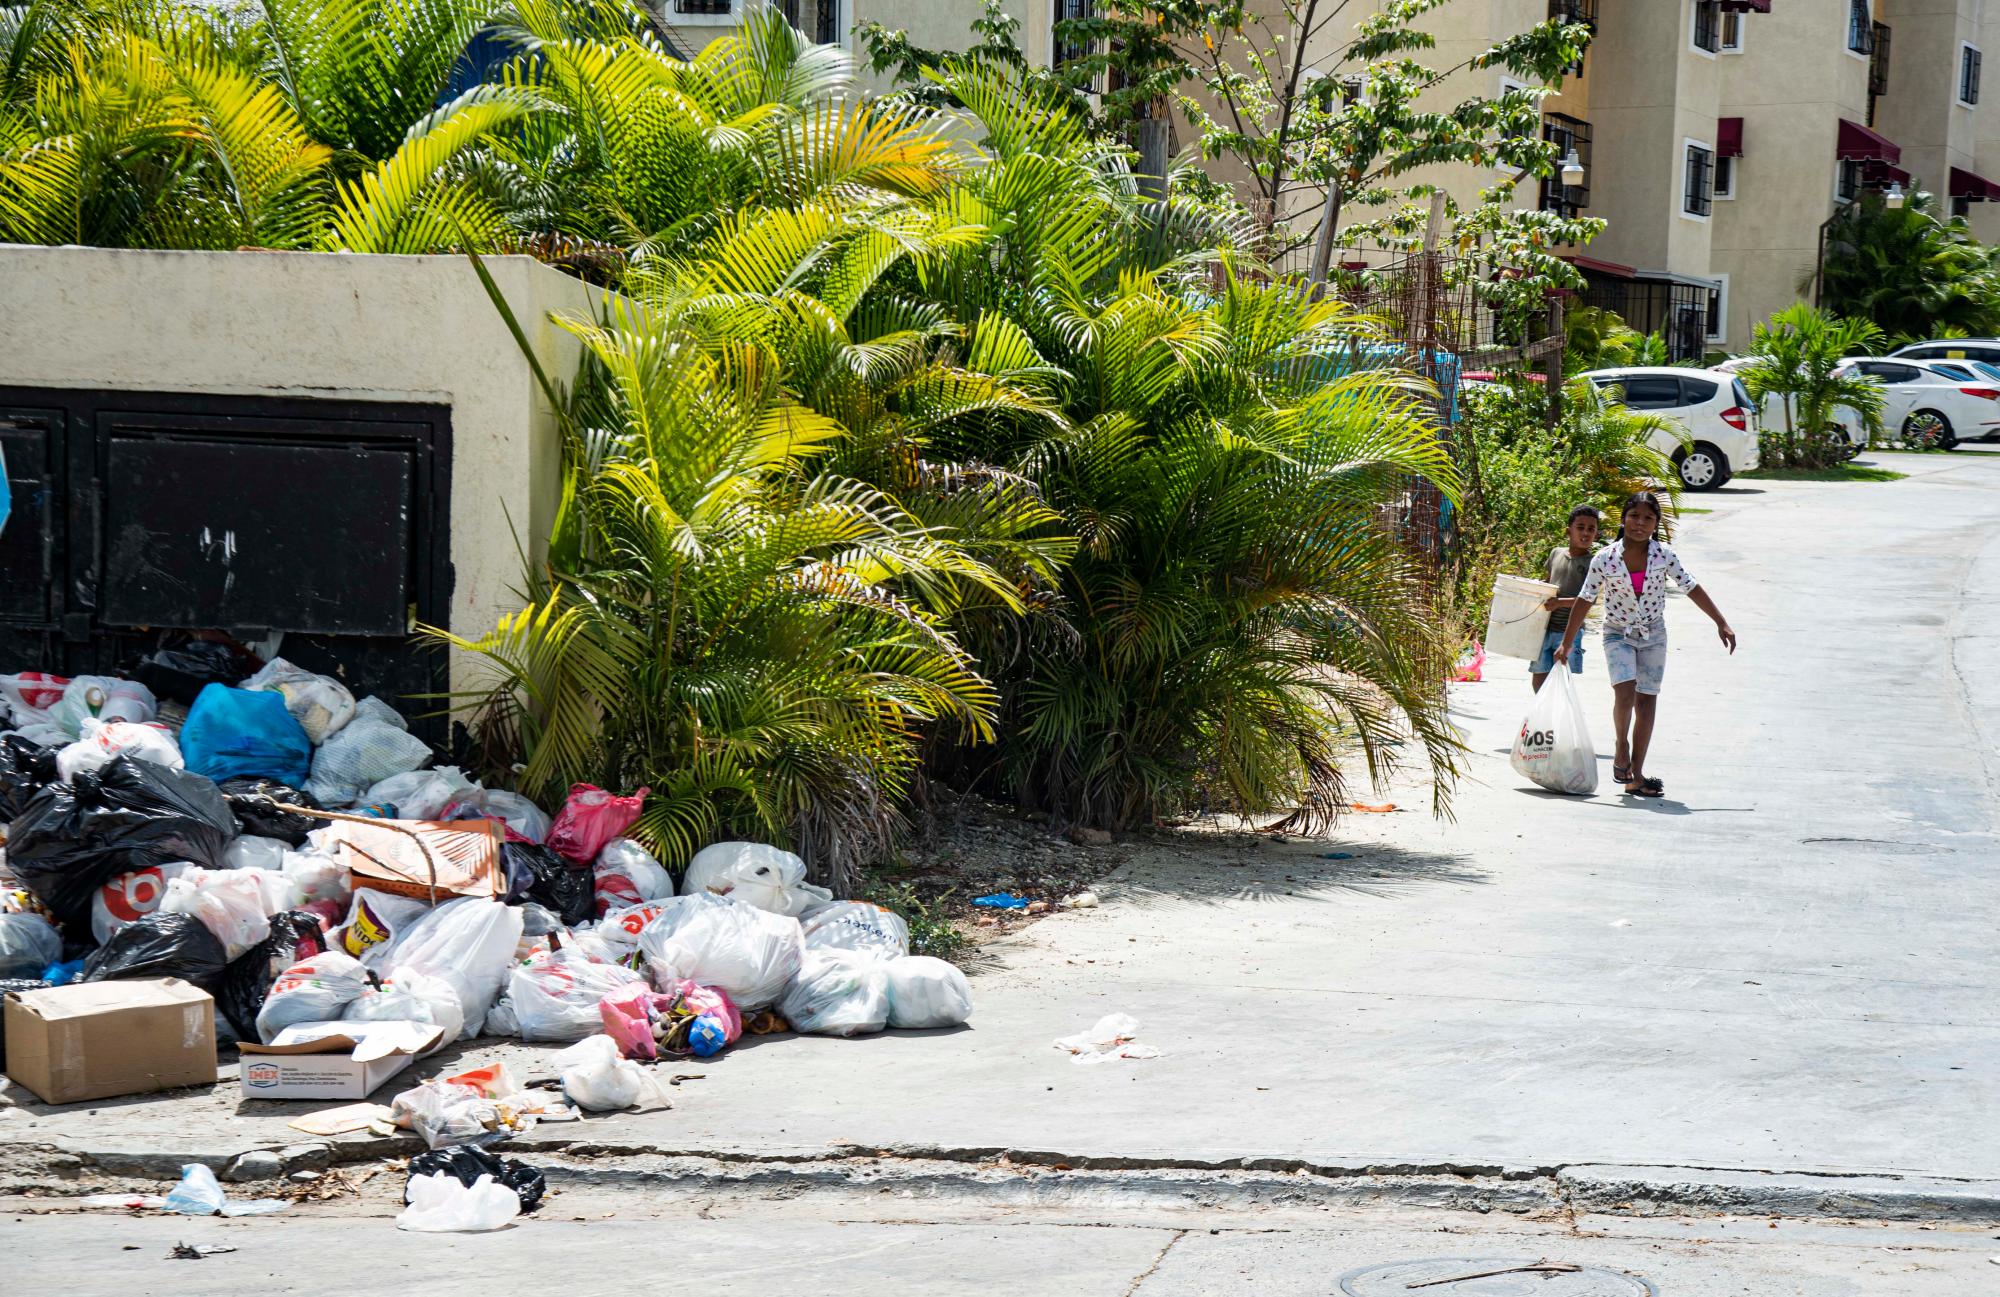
point(1545, 661)
point(1644, 663)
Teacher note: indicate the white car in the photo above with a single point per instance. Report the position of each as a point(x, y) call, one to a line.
point(1959, 398)
point(1986, 349)
point(1717, 413)
point(1772, 413)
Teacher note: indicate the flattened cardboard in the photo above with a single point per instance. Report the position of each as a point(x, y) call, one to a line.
point(100, 1040)
point(464, 853)
point(333, 1060)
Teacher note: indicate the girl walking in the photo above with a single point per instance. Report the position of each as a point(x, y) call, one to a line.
point(1632, 574)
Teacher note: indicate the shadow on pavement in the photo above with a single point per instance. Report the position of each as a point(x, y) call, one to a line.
point(1291, 870)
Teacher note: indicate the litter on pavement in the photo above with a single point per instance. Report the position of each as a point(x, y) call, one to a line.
point(267, 863)
point(1113, 1037)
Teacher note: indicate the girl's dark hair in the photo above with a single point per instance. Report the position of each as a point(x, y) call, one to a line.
point(1584, 511)
point(1643, 500)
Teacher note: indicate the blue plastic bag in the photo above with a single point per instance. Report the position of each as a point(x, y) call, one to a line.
point(231, 732)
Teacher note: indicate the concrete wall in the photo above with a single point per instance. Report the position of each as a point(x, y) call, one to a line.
point(1920, 111)
point(283, 324)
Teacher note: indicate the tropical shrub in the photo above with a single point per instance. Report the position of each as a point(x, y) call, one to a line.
point(1796, 357)
point(1908, 272)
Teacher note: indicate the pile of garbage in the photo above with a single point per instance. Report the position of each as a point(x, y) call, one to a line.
point(293, 852)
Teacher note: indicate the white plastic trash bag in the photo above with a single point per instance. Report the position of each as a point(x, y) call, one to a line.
point(130, 897)
point(372, 708)
point(409, 996)
point(28, 944)
point(859, 927)
point(555, 995)
point(1553, 748)
point(441, 1204)
point(756, 874)
point(597, 1078)
point(468, 942)
point(360, 756)
point(750, 954)
point(317, 877)
point(317, 989)
point(838, 993)
point(419, 794)
point(511, 809)
point(235, 904)
point(320, 704)
point(253, 852)
point(104, 698)
point(627, 874)
point(104, 741)
point(927, 992)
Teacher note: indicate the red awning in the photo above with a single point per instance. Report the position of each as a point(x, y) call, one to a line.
point(1611, 268)
point(1729, 137)
point(1857, 141)
point(1747, 6)
point(1964, 184)
point(1878, 175)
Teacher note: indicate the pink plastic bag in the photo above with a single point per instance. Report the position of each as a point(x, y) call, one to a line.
point(712, 1002)
point(589, 818)
point(630, 1011)
point(1468, 669)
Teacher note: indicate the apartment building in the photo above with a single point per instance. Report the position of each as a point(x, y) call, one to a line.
point(1717, 136)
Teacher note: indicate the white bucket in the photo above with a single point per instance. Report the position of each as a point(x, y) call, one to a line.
point(1517, 623)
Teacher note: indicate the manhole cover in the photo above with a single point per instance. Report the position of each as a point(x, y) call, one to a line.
point(1474, 1277)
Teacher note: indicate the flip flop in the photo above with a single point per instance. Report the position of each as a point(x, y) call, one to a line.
point(1645, 788)
point(1620, 774)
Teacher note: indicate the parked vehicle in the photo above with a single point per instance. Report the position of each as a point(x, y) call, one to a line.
point(1944, 402)
point(1986, 349)
point(1771, 414)
point(1716, 411)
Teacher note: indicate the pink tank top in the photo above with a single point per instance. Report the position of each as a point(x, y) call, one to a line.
point(1638, 582)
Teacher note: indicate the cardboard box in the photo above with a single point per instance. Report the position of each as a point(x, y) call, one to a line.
point(99, 1040)
point(333, 1060)
point(441, 860)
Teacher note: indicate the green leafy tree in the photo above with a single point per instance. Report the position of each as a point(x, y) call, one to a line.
point(1910, 273)
point(1797, 355)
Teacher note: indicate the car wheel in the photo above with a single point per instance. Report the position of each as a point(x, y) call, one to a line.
point(1702, 467)
point(1929, 428)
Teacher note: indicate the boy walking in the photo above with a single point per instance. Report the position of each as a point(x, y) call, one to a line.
point(1567, 567)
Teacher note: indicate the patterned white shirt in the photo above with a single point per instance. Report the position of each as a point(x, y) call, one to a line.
point(1638, 617)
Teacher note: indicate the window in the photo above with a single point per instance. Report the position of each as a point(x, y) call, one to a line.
point(1699, 189)
point(1708, 25)
point(1847, 181)
point(1732, 33)
point(1959, 372)
point(1741, 393)
point(703, 8)
point(1568, 135)
point(1725, 177)
point(1697, 391)
point(1969, 60)
point(1651, 393)
point(1718, 310)
point(1068, 51)
point(1860, 28)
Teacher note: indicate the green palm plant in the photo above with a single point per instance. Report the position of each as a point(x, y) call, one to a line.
point(1908, 271)
point(718, 619)
point(1796, 357)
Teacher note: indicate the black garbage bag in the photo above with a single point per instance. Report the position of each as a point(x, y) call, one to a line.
point(8, 985)
point(538, 874)
point(466, 1164)
point(74, 837)
point(246, 983)
point(160, 945)
point(26, 768)
point(254, 800)
point(180, 671)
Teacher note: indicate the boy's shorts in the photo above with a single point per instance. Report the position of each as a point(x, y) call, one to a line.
point(1545, 661)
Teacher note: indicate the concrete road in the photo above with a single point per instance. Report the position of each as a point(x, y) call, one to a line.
point(1787, 964)
point(589, 1243)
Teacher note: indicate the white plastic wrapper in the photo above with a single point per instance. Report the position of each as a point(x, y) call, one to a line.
point(926, 992)
point(253, 852)
point(859, 927)
point(320, 704)
point(838, 993)
point(627, 874)
point(440, 1204)
point(102, 742)
point(1553, 748)
point(597, 1078)
point(468, 942)
point(316, 989)
point(420, 794)
point(750, 954)
point(512, 809)
point(235, 904)
point(28, 944)
point(555, 996)
point(409, 996)
point(361, 756)
point(754, 873)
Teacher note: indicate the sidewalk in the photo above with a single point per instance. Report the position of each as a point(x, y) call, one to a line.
point(1787, 965)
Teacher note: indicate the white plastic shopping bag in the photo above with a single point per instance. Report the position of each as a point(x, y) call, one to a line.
point(1553, 748)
